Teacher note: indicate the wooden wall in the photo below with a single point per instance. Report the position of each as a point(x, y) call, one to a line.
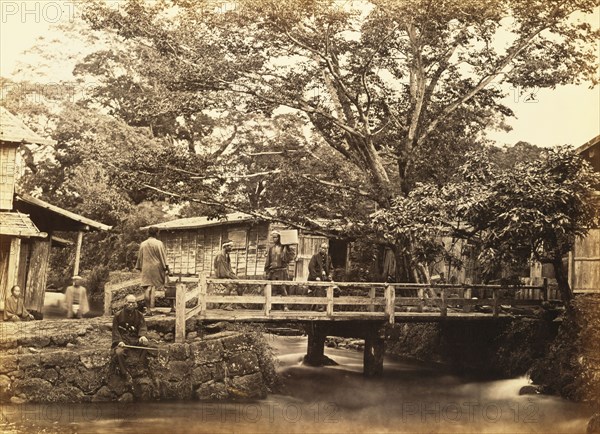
point(190, 252)
point(584, 266)
point(7, 175)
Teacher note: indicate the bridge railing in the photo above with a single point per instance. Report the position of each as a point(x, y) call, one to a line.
point(339, 300)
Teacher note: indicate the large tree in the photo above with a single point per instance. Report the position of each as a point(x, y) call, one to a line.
point(379, 81)
point(394, 92)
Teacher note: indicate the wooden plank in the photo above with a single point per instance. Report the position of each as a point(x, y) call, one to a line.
point(268, 294)
point(78, 253)
point(444, 304)
point(37, 275)
point(330, 300)
point(496, 304)
point(202, 292)
point(13, 264)
point(180, 313)
point(390, 309)
point(372, 292)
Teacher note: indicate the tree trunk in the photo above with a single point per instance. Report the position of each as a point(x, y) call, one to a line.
point(563, 282)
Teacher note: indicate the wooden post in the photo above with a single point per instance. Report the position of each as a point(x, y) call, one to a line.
point(421, 293)
point(496, 298)
point(107, 299)
point(330, 301)
point(390, 303)
point(78, 253)
point(13, 263)
point(372, 297)
point(180, 313)
point(315, 353)
point(444, 306)
point(373, 353)
point(545, 289)
point(268, 293)
point(202, 291)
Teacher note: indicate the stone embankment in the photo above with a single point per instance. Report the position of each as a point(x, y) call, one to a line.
point(70, 361)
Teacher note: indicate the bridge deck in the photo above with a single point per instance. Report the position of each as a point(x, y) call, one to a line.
point(247, 315)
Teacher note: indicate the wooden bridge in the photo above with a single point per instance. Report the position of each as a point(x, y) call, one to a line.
point(346, 301)
point(348, 309)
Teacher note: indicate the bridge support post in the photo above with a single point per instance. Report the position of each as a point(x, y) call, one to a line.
point(315, 354)
point(373, 353)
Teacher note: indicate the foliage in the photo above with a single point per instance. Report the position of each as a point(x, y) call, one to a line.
point(534, 209)
point(323, 110)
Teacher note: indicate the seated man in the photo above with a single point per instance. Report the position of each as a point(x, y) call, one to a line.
point(13, 307)
point(76, 294)
point(129, 328)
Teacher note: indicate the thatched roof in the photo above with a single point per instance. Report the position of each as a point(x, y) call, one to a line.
point(13, 130)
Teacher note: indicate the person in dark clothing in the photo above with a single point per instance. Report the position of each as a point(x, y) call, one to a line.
point(223, 270)
point(319, 269)
point(129, 328)
point(277, 261)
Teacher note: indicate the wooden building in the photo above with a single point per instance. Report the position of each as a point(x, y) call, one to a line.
point(27, 224)
point(192, 244)
point(584, 259)
point(583, 262)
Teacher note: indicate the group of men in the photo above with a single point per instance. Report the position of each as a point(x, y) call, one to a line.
point(277, 262)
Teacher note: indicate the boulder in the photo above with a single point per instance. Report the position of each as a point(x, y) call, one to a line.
point(8, 364)
point(242, 364)
point(179, 351)
point(201, 374)
point(207, 351)
point(529, 390)
point(593, 426)
point(248, 387)
point(5, 388)
point(95, 359)
point(103, 394)
point(61, 359)
point(211, 390)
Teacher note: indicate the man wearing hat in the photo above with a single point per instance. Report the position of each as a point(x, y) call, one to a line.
point(76, 294)
point(223, 269)
point(276, 263)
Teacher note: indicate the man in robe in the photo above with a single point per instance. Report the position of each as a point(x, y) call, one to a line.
point(152, 262)
point(14, 310)
point(76, 294)
point(277, 261)
point(223, 270)
point(129, 328)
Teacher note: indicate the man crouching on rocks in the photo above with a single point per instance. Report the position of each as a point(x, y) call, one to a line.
point(129, 329)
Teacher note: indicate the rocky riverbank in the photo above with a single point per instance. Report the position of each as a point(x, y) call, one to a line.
point(70, 361)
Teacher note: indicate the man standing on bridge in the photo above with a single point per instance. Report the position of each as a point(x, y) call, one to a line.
point(319, 269)
point(277, 261)
point(223, 269)
point(152, 262)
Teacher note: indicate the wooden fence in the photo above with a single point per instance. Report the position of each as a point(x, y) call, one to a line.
point(344, 300)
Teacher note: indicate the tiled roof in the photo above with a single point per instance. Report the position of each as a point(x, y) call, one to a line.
point(17, 224)
point(201, 222)
point(12, 129)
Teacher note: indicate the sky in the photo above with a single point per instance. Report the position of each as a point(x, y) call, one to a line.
point(567, 115)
